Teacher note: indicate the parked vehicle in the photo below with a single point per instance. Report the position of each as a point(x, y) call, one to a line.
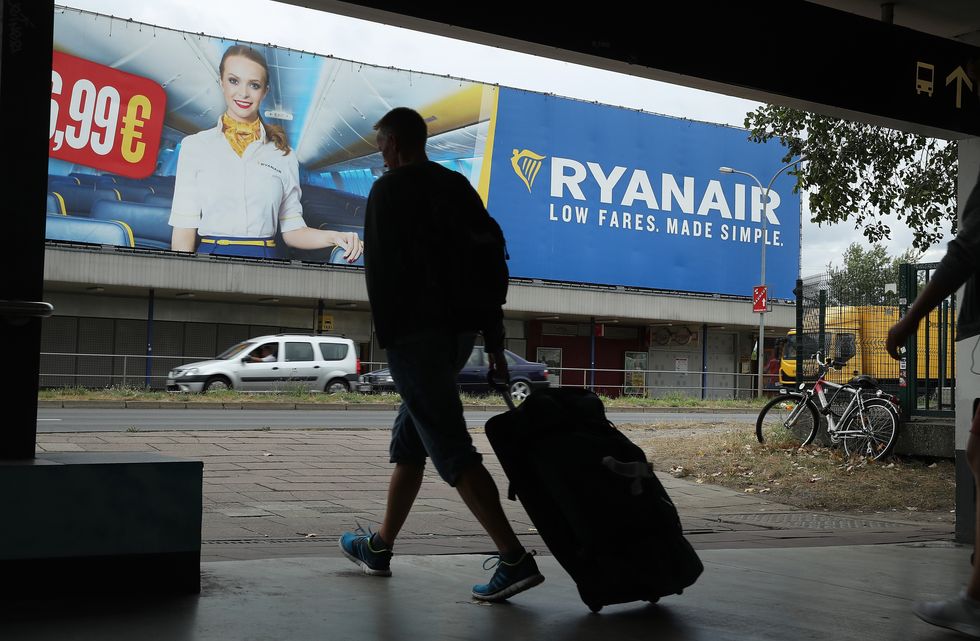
point(855, 336)
point(274, 363)
point(525, 376)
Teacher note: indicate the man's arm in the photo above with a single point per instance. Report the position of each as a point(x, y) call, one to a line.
point(961, 260)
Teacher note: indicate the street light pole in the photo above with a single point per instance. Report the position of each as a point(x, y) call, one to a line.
point(765, 215)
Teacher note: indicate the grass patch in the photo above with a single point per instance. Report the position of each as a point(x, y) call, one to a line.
point(812, 477)
point(295, 394)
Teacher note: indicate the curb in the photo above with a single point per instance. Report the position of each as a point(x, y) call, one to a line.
point(340, 407)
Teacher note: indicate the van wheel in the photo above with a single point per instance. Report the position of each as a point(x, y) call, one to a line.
point(336, 386)
point(216, 383)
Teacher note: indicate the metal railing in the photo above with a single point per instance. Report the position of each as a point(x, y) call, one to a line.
point(654, 383)
point(95, 371)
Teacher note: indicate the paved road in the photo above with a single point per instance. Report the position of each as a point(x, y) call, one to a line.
point(52, 420)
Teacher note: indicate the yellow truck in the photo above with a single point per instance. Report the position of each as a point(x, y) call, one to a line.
point(856, 335)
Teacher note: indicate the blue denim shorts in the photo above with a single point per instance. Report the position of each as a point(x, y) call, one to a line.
point(430, 420)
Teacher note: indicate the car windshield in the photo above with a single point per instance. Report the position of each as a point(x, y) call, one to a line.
point(234, 351)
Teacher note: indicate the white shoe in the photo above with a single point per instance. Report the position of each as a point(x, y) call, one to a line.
point(961, 614)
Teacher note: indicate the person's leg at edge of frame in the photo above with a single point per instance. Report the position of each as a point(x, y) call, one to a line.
point(973, 459)
point(963, 612)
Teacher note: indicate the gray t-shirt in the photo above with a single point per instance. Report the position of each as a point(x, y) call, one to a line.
point(962, 264)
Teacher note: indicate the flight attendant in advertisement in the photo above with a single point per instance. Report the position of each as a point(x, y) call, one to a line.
point(238, 183)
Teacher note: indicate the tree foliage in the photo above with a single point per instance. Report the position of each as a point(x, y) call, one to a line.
point(860, 173)
point(863, 274)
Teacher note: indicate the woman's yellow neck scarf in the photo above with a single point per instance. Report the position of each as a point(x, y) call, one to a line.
point(239, 134)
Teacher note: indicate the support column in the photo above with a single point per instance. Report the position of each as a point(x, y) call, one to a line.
point(25, 99)
point(967, 383)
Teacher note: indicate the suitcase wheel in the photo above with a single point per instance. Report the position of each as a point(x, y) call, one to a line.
point(653, 599)
point(595, 607)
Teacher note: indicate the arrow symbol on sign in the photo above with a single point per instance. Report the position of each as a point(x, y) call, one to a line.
point(961, 78)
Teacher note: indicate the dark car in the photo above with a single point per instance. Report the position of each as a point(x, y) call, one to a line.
point(525, 376)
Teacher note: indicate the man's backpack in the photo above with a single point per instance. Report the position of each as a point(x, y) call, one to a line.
point(474, 268)
point(483, 247)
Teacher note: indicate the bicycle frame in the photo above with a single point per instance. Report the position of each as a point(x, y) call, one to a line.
point(817, 395)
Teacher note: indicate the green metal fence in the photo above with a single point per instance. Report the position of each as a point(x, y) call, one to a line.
point(929, 366)
point(848, 318)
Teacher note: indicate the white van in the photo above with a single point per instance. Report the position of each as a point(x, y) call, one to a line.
point(274, 363)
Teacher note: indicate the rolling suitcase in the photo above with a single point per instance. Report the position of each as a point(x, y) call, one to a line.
point(593, 498)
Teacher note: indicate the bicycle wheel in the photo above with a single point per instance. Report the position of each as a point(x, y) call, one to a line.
point(879, 428)
point(788, 420)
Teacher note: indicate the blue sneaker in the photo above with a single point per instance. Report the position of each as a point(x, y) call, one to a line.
point(509, 579)
point(356, 546)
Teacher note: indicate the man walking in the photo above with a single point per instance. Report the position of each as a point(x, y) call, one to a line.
point(413, 283)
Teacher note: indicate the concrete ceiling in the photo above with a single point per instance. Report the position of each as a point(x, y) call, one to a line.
point(786, 52)
point(954, 19)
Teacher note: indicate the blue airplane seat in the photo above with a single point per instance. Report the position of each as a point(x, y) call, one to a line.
point(85, 179)
point(57, 179)
point(324, 208)
point(133, 192)
point(150, 223)
point(55, 205)
point(160, 200)
point(337, 258)
point(79, 199)
point(88, 230)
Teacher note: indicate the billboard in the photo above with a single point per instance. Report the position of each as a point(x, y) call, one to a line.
point(594, 194)
point(184, 142)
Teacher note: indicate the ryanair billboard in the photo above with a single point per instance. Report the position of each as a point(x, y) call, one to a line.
point(595, 194)
point(182, 142)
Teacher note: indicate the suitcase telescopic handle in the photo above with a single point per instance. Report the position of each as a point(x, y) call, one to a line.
point(500, 387)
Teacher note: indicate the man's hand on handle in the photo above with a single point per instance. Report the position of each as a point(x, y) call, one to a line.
point(898, 335)
point(498, 367)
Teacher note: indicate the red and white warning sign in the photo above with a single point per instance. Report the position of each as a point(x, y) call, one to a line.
point(760, 298)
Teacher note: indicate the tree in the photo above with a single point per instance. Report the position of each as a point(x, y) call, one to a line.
point(863, 274)
point(860, 173)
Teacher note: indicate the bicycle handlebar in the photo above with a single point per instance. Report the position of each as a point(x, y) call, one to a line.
point(827, 363)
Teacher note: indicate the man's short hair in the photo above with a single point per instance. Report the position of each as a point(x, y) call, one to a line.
point(407, 125)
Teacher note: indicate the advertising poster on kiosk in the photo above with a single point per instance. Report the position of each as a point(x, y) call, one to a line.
point(182, 142)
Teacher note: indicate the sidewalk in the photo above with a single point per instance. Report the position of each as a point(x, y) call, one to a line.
point(772, 572)
point(293, 492)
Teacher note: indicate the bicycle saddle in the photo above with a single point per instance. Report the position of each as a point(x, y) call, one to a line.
point(863, 382)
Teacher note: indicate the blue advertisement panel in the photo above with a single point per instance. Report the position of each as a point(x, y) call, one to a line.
point(594, 194)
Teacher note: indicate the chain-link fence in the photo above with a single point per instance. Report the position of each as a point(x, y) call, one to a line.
point(847, 319)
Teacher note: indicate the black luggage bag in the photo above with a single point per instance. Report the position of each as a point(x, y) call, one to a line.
point(593, 498)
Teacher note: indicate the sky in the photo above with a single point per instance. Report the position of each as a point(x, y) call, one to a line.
point(265, 21)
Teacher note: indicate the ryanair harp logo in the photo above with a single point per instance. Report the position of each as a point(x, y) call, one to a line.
point(526, 164)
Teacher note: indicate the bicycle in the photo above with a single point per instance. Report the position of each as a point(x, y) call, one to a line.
point(867, 426)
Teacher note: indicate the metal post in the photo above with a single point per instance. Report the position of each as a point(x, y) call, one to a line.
point(943, 337)
point(928, 352)
point(149, 341)
point(799, 330)
point(909, 286)
point(822, 323)
point(592, 354)
point(765, 209)
point(704, 361)
point(762, 314)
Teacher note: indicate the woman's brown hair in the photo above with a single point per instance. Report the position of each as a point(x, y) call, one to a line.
point(273, 133)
